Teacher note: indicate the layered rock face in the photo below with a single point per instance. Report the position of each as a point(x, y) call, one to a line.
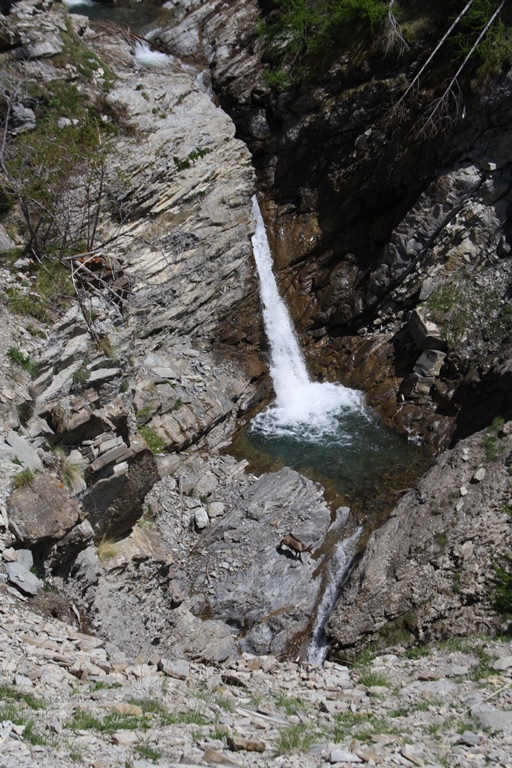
point(132, 385)
point(173, 546)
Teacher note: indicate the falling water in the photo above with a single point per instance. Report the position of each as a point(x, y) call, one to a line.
point(145, 57)
point(338, 566)
point(74, 4)
point(303, 408)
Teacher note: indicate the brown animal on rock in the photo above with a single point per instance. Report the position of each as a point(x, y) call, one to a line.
point(295, 545)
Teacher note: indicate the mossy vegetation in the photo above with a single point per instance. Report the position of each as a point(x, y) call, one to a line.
point(493, 444)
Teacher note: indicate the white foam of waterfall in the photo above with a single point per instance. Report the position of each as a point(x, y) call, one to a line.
point(145, 57)
point(304, 409)
point(338, 566)
point(204, 82)
point(77, 3)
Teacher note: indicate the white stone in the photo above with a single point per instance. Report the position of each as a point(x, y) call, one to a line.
point(340, 756)
point(201, 518)
point(504, 663)
point(479, 475)
point(215, 509)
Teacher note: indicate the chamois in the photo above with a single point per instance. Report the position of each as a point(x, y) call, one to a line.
point(294, 544)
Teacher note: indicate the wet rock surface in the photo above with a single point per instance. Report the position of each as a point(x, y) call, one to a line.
point(237, 570)
point(210, 588)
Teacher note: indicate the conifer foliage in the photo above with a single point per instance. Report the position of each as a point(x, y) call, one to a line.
point(307, 35)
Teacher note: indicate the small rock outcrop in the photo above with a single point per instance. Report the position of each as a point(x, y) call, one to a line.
point(203, 571)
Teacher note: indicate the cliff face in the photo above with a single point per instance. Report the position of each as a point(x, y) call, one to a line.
point(392, 251)
point(375, 211)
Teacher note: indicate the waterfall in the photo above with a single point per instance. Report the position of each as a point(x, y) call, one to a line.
point(145, 57)
point(74, 4)
point(303, 409)
point(338, 566)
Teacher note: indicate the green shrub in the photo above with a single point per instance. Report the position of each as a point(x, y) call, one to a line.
point(302, 36)
point(18, 357)
point(191, 158)
point(301, 33)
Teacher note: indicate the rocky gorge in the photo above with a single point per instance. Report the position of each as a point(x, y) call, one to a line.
point(124, 515)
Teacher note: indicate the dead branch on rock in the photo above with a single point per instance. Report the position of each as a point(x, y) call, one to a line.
point(394, 41)
point(448, 108)
point(441, 42)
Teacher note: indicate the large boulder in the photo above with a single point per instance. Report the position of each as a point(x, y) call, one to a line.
point(428, 572)
point(241, 575)
point(115, 502)
point(42, 512)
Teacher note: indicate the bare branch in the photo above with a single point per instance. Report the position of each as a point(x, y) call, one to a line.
point(394, 41)
point(438, 46)
point(441, 111)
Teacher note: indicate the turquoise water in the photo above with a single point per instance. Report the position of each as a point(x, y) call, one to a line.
point(362, 464)
point(139, 17)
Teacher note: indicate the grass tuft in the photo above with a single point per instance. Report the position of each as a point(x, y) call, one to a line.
point(155, 443)
point(71, 473)
point(106, 549)
point(299, 737)
point(18, 357)
point(23, 479)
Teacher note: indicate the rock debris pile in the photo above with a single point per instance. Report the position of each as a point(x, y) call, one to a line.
point(64, 701)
